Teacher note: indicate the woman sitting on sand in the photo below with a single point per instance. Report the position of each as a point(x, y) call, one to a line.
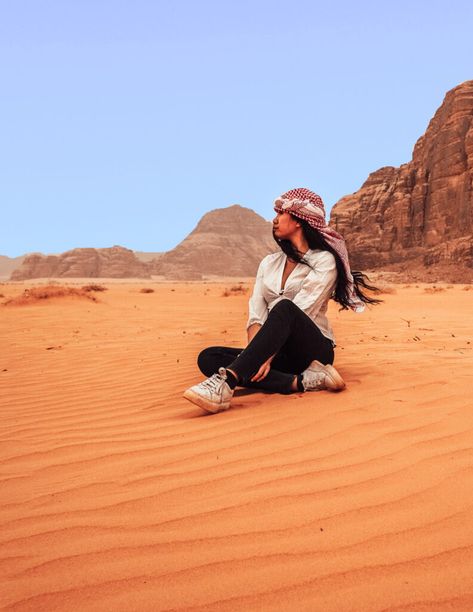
point(290, 341)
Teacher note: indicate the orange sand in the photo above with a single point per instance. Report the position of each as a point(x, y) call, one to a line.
point(119, 495)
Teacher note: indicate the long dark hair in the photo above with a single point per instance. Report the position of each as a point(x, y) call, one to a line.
point(315, 240)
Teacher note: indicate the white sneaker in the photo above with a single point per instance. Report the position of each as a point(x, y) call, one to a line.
point(213, 394)
point(318, 377)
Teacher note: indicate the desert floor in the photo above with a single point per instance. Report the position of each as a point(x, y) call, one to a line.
point(117, 494)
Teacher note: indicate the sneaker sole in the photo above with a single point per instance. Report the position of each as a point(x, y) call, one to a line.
point(207, 406)
point(338, 384)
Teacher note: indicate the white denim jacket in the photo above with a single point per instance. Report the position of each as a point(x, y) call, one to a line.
point(309, 288)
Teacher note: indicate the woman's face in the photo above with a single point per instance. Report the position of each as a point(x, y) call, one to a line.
point(285, 225)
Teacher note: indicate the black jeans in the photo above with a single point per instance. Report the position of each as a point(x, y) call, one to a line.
point(287, 332)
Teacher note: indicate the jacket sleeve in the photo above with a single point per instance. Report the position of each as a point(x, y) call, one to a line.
point(318, 285)
point(258, 306)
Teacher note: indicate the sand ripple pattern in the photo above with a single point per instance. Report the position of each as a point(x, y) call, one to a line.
point(118, 495)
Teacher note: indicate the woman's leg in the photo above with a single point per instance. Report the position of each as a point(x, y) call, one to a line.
point(212, 358)
point(287, 333)
point(278, 380)
point(287, 330)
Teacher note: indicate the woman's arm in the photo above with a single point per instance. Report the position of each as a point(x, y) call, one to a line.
point(257, 306)
point(252, 330)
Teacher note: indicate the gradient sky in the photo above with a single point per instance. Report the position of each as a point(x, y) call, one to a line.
point(124, 121)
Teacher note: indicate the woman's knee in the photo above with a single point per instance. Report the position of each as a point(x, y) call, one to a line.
point(207, 360)
point(285, 305)
point(212, 358)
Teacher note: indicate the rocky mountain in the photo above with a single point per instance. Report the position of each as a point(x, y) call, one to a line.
point(421, 213)
point(114, 262)
point(145, 256)
point(8, 264)
point(226, 242)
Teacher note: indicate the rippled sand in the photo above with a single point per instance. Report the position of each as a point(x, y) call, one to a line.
point(119, 495)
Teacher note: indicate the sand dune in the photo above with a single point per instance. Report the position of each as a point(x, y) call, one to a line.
point(117, 494)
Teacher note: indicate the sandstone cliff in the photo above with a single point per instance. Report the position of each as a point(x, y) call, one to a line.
point(226, 242)
point(420, 212)
point(114, 262)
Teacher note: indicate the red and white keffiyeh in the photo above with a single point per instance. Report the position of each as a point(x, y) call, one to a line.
point(307, 205)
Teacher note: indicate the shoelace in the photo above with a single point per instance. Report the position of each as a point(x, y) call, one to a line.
point(214, 382)
point(317, 382)
point(320, 380)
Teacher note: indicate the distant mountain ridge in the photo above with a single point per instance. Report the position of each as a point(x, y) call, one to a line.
point(226, 242)
point(114, 262)
point(8, 264)
point(416, 219)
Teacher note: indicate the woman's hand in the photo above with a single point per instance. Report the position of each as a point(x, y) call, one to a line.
point(263, 371)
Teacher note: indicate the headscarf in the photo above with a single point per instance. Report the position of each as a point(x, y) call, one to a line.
point(307, 205)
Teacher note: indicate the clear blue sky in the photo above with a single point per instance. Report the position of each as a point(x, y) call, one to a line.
point(124, 121)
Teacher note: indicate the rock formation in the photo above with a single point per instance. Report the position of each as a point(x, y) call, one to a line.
point(421, 212)
point(145, 256)
point(226, 242)
point(114, 262)
point(8, 264)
